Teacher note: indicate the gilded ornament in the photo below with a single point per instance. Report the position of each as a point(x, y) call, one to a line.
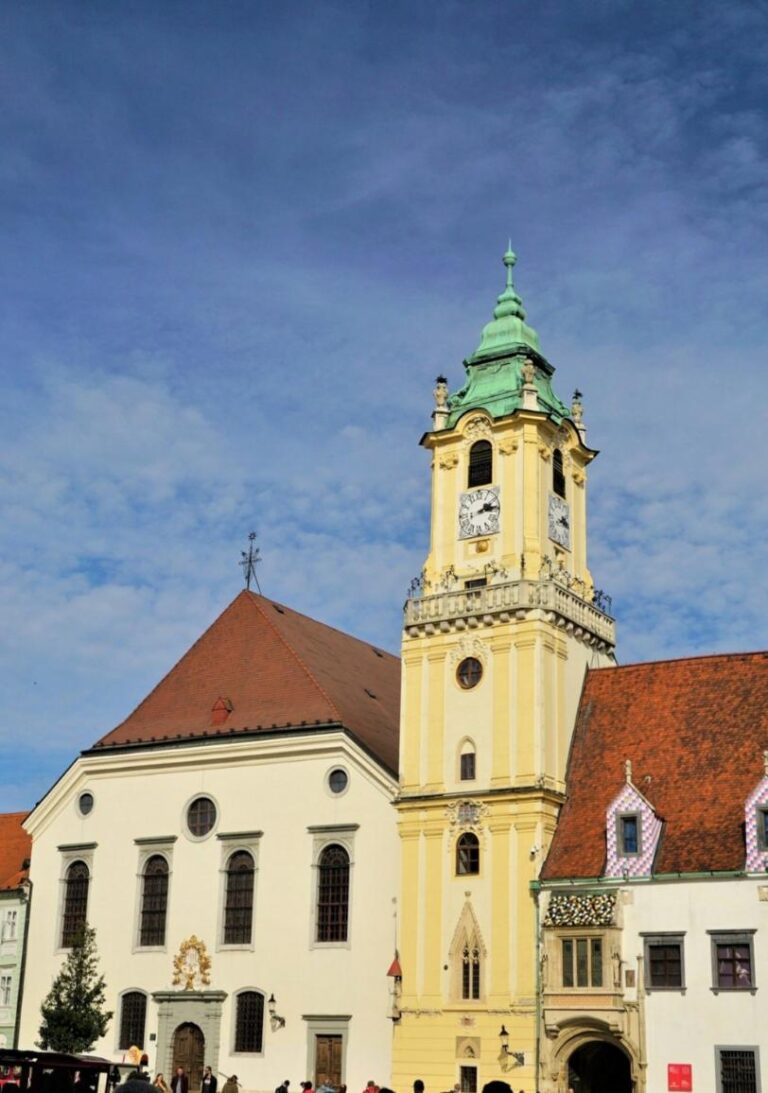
point(192, 963)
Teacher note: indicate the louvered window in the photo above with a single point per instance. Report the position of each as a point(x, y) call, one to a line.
point(154, 901)
point(238, 910)
point(558, 477)
point(480, 464)
point(75, 903)
point(249, 1022)
point(133, 1018)
point(333, 894)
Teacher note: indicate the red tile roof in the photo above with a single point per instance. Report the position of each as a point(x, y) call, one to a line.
point(277, 669)
point(695, 731)
point(15, 849)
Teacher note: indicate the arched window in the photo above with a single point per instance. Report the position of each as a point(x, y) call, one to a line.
point(467, 855)
point(75, 903)
point(558, 478)
point(238, 903)
point(470, 970)
point(467, 769)
point(333, 894)
point(480, 463)
point(249, 1021)
point(154, 902)
point(133, 1018)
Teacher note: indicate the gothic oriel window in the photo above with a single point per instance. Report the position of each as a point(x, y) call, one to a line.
point(333, 894)
point(480, 464)
point(75, 903)
point(467, 855)
point(249, 1022)
point(470, 970)
point(133, 1018)
point(238, 905)
point(154, 901)
point(558, 477)
point(582, 961)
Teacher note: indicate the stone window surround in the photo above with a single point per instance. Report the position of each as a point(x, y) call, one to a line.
point(70, 853)
point(737, 1047)
point(118, 1015)
point(233, 1021)
point(329, 1025)
point(669, 937)
point(148, 848)
point(732, 937)
point(324, 835)
point(231, 842)
point(620, 848)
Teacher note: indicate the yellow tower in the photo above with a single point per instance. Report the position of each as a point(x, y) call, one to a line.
point(499, 630)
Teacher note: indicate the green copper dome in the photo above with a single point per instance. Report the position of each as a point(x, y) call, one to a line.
point(497, 369)
point(508, 327)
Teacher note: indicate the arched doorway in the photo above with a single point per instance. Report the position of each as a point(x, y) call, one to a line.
point(599, 1067)
point(189, 1052)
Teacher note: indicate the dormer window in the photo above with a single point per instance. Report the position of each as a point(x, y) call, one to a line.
point(762, 827)
point(628, 833)
point(558, 477)
point(480, 464)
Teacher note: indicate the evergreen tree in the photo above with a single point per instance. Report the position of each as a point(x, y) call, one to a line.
point(73, 1013)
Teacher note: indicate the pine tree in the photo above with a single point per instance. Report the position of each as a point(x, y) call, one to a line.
point(73, 1013)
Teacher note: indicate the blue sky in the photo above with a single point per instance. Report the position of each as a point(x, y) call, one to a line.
point(239, 240)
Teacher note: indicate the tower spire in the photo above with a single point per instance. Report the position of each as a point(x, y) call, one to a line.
point(508, 327)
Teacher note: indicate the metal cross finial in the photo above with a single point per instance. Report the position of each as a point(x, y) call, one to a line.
point(249, 562)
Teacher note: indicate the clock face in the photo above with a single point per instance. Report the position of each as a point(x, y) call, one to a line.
point(479, 512)
point(559, 525)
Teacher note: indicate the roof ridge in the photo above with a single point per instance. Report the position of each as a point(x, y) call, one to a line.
point(256, 601)
point(680, 660)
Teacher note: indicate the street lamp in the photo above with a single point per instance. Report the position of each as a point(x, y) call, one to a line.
point(509, 1058)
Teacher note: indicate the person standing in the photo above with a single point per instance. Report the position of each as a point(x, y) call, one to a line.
point(283, 1088)
point(209, 1082)
point(180, 1081)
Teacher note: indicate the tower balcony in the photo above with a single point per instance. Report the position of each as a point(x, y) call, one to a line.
point(553, 598)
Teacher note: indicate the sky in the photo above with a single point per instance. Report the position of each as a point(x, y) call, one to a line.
point(239, 241)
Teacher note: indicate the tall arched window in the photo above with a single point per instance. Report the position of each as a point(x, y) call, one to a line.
point(133, 1018)
point(238, 903)
point(467, 766)
point(467, 854)
point(480, 463)
point(154, 901)
point(558, 477)
point(249, 1021)
point(470, 970)
point(333, 894)
point(75, 903)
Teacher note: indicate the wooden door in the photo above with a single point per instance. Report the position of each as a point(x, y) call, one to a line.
point(327, 1060)
point(189, 1052)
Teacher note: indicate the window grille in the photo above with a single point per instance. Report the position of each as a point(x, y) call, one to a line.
point(333, 894)
point(470, 972)
point(480, 464)
point(154, 901)
point(558, 477)
point(468, 855)
point(249, 1022)
point(75, 903)
point(238, 908)
point(738, 1072)
point(133, 1018)
point(201, 816)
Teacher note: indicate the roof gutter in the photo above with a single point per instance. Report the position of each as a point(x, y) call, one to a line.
point(615, 882)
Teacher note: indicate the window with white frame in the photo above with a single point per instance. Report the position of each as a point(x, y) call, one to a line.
point(238, 899)
point(133, 1019)
point(10, 923)
point(333, 864)
point(6, 982)
point(76, 883)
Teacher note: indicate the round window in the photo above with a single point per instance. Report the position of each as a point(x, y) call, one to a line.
point(338, 780)
point(85, 803)
point(201, 816)
point(469, 673)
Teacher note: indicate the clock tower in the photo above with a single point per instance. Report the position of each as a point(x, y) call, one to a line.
point(499, 630)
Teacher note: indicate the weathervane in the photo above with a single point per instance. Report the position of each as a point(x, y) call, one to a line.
point(249, 563)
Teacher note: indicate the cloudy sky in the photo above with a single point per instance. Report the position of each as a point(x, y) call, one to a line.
point(239, 240)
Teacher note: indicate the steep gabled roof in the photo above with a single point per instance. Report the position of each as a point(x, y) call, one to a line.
point(15, 849)
point(277, 670)
point(695, 731)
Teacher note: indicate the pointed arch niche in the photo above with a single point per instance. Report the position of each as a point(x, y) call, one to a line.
point(466, 760)
point(467, 958)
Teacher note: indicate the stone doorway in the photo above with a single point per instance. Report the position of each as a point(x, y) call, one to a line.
point(599, 1067)
point(189, 1052)
point(177, 1010)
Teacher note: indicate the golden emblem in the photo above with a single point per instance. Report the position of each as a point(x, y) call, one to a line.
point(190, 963)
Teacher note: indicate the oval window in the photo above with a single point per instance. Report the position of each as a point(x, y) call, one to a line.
point(201, 816)
point(85, 803)
point(338, 780)
point(469, 673)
